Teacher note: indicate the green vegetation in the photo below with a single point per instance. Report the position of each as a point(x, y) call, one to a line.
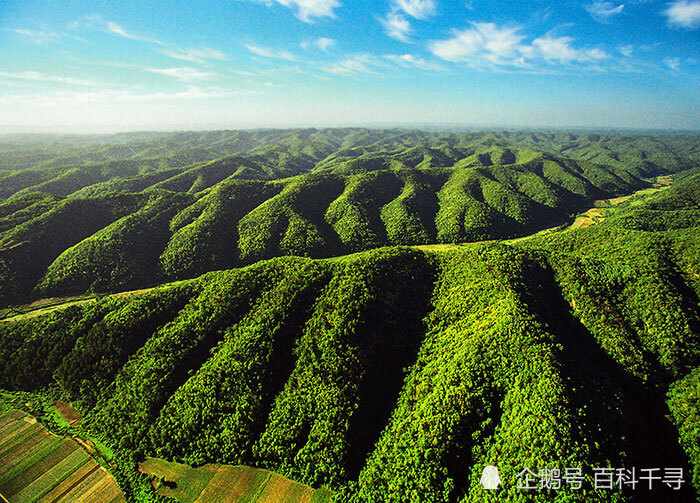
point(238, 484)
point(385, 373)
point(138, 213)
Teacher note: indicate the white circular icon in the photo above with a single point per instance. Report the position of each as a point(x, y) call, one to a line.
point(490, 478)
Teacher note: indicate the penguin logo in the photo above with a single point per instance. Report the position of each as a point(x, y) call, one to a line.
point(490, 478)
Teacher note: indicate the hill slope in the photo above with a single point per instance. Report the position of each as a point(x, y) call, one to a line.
point(207, 217)
point(395, 374)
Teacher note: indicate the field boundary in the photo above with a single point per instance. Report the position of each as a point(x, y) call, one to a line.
point(38, 465)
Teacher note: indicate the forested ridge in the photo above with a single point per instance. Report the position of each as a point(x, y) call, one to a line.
point(107, 213)
point(394, 374)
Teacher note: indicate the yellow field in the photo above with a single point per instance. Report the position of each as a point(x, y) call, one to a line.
point(437, 247)
point(228, 484)
point(37, 466)
point(46, 306)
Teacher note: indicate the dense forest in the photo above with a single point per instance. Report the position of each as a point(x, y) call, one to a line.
point(104, 213)
point(302, 332)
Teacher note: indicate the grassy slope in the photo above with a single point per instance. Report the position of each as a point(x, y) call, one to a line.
point(238, 484)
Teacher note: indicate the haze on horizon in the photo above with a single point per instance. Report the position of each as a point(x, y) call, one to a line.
point(102, 67)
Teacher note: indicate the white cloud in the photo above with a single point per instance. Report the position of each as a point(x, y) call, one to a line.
point(411, 61)
point(112, 96)
point(626, 50)
point(243, 73)
point(42, 77)
point(119, 109)
point(673, 63)
point(603, 12)
point(358, 63)
point(488, 45)
point(397, 26)
point(266, 52)
point(483, 41)
point(38, 37)
point(308, 9)
point(560, 49)
point(190, 93)
point(368, 64)
point(118, 30)
point(114, 27)
point(194, 55)
point(419, 9)
point(184, 73)
point(321, 43)
point(683, 14)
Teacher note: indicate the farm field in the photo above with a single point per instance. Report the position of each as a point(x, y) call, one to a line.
point(37, 466)
point(46, 306)
point(68, 413)
point(599, 211)
point(221, 483)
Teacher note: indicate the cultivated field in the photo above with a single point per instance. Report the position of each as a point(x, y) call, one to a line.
point(597, 214)
point(68, 413)
point(228, 484)
point(36, 466)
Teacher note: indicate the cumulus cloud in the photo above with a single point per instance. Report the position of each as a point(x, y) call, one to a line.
point(321, 43)
point(184, 73)
point(560, 50)
point(396, 23)
point(683, 14)
point(482, 41)
point(397, 26)
point(604, 12)
point(486, 44)
point(266, 52)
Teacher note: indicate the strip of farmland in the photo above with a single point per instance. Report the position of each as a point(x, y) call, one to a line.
point(37, 466)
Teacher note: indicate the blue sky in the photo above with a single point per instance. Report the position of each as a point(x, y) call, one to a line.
point(105, 65)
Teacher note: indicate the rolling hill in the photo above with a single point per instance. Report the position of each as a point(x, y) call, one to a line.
point(317, 193)
point(396, 374)
point(311, 334)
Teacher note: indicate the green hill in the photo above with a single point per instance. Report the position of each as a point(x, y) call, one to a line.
point(396, 374)
point(312, 332)
point(315, 193)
